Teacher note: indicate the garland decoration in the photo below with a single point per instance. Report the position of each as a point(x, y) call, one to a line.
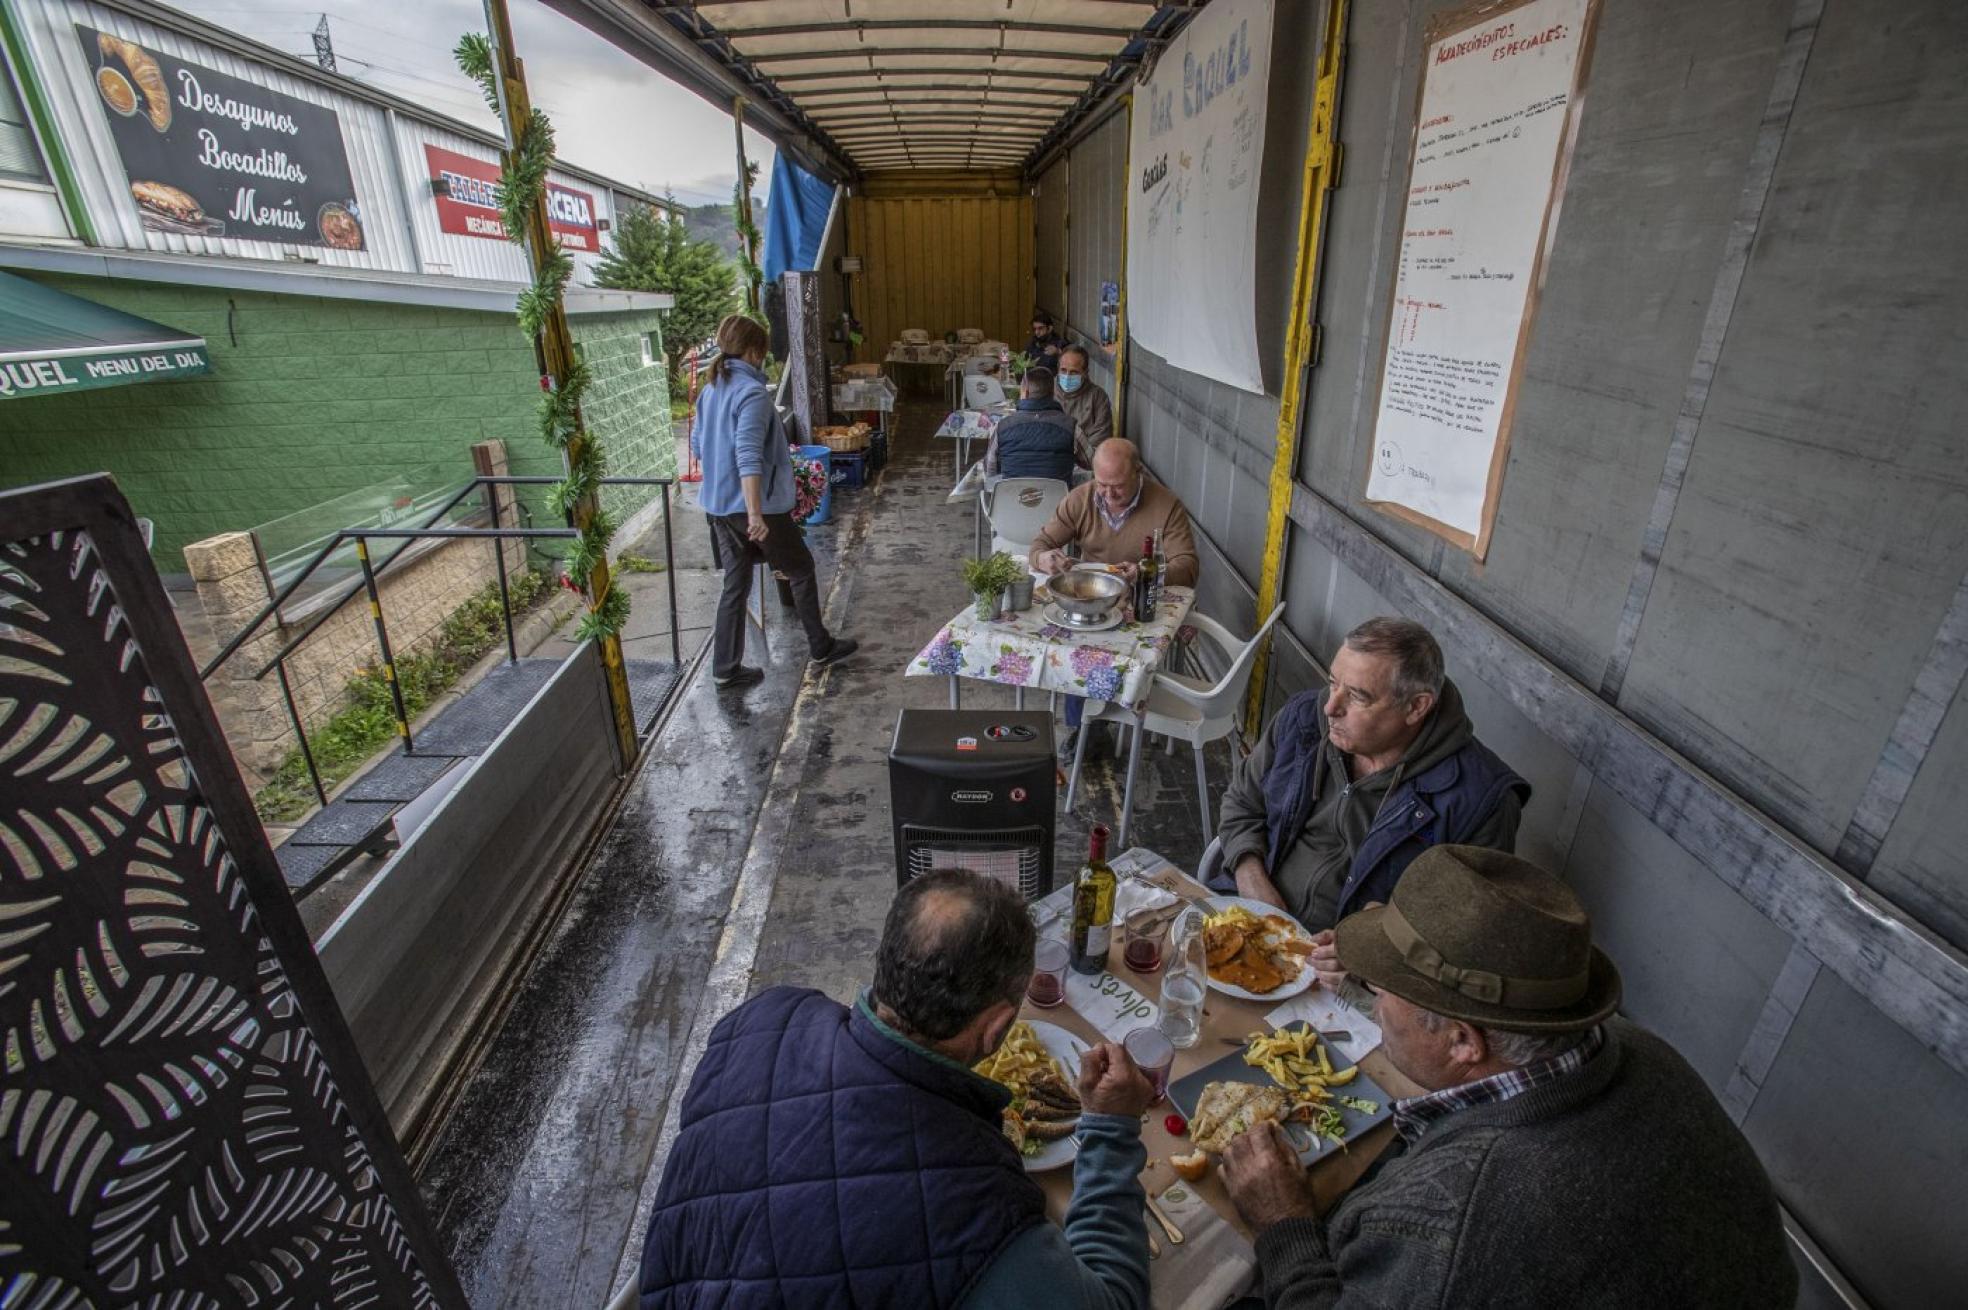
point(522, 182)
point(748, 233)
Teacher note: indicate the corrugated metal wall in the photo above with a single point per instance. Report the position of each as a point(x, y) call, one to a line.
point(1050, 217)
point(1811, 577)
point(942, 261)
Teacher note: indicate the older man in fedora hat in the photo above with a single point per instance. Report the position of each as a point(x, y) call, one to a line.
point(1560, 1156)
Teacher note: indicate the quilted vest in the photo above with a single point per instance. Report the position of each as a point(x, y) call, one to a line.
point(1037, 442)
point(823, 1162)
point(1441, 805)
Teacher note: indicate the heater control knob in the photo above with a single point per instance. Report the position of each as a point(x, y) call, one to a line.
point(1010, 732)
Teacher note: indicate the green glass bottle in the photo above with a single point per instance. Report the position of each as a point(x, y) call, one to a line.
point(1093, 906)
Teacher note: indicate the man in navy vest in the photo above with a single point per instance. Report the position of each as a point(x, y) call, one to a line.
point(1036, 441)
point(847, 1156)
point(1349, 783)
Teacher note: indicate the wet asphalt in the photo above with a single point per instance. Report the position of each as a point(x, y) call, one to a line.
point(751, 848)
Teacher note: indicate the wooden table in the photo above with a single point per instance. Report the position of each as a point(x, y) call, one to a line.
point(1223, 1016)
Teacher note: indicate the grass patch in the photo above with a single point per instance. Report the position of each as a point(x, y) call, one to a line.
point(347, 741)
point(630, 562)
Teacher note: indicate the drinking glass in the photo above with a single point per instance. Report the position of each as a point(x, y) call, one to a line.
point(1143, 934)
point(1153, 1054)
point(1182, 1007)
point(1048, 985)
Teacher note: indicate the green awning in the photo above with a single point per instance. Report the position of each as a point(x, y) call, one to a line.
point(51, 342)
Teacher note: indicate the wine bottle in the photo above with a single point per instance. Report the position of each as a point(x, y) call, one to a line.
point(1144, 582)
point(1093, 906)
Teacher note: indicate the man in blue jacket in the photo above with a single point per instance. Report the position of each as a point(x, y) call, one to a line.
point(1039, 440)
point(848, 1156)
point(1349, 783)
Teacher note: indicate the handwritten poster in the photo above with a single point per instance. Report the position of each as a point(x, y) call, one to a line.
point(1195, 143)
point(1492, 139)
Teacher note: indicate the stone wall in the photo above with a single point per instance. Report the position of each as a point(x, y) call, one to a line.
point(422, 589)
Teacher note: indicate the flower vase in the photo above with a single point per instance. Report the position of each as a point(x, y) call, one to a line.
point(988, 604)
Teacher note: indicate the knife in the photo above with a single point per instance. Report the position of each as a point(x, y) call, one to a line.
point(1174, 1233)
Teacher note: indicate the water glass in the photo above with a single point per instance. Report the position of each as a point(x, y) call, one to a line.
point(1048, 985)
point(1182, 1007)
point(1153, 1054)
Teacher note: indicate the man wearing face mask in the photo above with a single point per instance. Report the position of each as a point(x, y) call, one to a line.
point(1092, 412)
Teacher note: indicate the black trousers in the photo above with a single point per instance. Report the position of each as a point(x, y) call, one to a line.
point(784, 550)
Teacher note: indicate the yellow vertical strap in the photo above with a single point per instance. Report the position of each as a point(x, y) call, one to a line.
point(1120, 304)
point(1321, 174)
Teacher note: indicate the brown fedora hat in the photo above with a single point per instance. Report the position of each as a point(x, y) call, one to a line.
point(1485, 937)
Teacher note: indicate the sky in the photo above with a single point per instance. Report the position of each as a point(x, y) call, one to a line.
point(612, 114)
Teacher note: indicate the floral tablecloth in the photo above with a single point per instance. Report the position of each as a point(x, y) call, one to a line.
point(969, 425)
point(1026, 650)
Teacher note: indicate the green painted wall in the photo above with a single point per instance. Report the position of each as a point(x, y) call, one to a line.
point(313, 398)
point(628, 407)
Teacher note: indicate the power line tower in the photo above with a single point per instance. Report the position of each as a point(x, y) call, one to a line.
point(324, 45)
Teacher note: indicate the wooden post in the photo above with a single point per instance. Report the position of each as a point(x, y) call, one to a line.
point(556, 351)
point(742, 202)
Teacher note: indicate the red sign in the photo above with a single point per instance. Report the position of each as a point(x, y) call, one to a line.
point(465, 203)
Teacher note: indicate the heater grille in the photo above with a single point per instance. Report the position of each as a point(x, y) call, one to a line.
point(1012, 855)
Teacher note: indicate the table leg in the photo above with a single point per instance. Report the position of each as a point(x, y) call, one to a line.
point(956, 698)
point(1079, 754)
point(1134, 762)
point(1018, 698)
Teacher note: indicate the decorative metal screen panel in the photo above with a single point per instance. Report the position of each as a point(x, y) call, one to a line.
point(183, 1119)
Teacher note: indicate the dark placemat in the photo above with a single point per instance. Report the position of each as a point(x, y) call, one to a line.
point(1185, 1092)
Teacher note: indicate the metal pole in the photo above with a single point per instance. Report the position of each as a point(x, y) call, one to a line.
point(669, 569)
point(300, 731)
point(383, 643)
point(499, 558)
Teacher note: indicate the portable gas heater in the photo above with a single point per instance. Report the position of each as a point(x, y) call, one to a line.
point(974, 789)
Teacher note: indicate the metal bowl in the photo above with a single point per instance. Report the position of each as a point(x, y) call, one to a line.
point(1087, 596)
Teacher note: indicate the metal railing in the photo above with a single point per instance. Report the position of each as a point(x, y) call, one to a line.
point(371, 571)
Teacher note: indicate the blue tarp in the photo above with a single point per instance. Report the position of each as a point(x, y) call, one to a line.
point(795, 218)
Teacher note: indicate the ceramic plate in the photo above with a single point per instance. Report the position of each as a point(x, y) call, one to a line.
point(1305, 975)
point(1053, 614)
point(1065, 1048)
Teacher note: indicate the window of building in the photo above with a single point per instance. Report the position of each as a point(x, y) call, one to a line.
point(649, 351)
point(19, 156)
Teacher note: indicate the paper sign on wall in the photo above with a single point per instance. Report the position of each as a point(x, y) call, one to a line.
point(1498, 111)
point(1195, 144)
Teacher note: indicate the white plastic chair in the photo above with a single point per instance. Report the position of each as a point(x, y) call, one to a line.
point(982, 392)
point(1018, 508)
point(1183, 708)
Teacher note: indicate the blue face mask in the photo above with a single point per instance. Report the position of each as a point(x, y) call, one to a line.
point(1070, 382)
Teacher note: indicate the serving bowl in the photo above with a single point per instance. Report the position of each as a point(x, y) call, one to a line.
point(1087, 596)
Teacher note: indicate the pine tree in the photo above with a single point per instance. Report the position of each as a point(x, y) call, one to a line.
point(652, 251)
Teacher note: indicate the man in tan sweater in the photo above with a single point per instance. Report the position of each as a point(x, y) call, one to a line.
point(1112, 515)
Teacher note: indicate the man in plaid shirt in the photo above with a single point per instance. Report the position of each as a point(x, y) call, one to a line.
point(1560, 1156)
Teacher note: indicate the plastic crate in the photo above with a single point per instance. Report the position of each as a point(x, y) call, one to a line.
point(850, 469)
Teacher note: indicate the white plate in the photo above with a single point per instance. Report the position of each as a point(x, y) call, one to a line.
point(1305, 975)
point(1065, 1048)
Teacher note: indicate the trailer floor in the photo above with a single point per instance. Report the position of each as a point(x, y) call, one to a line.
point(752, 849)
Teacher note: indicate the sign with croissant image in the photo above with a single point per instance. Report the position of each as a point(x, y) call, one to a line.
point(209, 154)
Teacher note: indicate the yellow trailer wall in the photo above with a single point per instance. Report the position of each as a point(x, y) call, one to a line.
point(941, 255)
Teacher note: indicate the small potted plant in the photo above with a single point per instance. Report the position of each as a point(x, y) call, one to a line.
point(987, 579)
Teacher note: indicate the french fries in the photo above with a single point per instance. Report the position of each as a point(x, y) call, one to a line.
point(1022, 1058)
point(1296, 1062)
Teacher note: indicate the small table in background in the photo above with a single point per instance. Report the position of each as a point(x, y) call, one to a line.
point(1025, 650)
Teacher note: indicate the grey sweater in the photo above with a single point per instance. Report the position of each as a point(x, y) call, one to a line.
point(1622, 1185)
